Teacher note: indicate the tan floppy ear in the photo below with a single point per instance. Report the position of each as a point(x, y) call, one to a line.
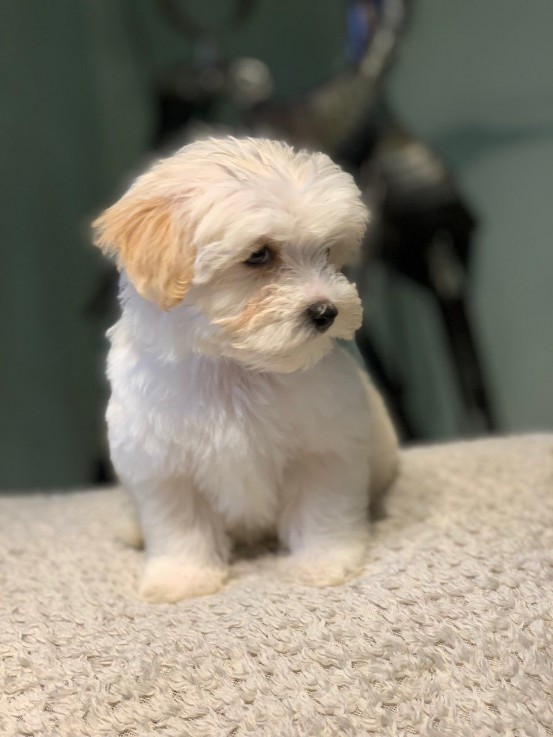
point(145, 240)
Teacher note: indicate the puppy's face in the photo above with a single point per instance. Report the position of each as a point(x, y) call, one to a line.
point(251, 235)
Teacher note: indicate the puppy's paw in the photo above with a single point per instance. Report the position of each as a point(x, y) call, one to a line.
point(168, 580)
point(333, 566)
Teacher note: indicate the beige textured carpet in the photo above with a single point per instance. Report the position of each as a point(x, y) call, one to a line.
point(447, 633)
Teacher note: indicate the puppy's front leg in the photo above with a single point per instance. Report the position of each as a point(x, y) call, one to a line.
point(186, 548)
point(325, 520)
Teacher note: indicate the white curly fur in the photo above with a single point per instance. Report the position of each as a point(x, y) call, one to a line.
point(230, 415)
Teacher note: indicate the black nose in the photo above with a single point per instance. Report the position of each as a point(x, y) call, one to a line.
point(322, 315)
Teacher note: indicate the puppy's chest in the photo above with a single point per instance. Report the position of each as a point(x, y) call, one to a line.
point(239, 424)
point(234, 423)
point(241, 437)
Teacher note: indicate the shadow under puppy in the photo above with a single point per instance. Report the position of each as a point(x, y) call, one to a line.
point(233, 411)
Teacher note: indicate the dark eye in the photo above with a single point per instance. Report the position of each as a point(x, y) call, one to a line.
point(327, 252)
point(260, 258)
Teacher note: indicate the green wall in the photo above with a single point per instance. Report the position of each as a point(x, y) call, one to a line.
point(73, 119)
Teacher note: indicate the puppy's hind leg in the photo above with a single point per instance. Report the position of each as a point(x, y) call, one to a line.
point(186, 547)
point(127, 526)
point(383, 443)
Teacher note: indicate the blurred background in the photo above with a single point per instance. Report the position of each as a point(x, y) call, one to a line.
point(442, 110)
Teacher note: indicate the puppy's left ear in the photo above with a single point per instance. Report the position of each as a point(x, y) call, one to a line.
point(151, 241)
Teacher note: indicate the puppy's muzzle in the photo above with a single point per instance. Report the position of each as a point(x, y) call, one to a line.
point(322, 315)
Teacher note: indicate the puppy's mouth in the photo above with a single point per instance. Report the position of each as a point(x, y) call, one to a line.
point(284, 342)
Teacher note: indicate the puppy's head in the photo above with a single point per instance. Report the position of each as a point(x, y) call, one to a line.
point(251, 235)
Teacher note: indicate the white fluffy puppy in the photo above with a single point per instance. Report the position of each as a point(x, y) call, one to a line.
point(233, 412)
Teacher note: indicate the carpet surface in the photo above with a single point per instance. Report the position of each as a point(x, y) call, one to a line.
point(448, 632)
